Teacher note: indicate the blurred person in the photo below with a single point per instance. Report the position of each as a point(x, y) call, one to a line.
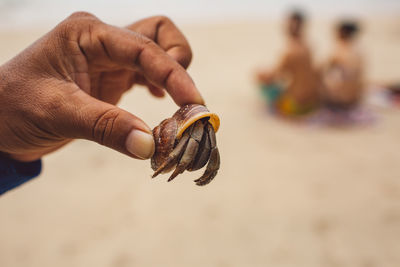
point(343, 73)
point(394, 93)
point(66, 86)
point(292, 86)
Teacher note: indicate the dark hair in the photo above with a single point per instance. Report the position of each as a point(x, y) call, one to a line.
point(297, 16)
point(347, 29)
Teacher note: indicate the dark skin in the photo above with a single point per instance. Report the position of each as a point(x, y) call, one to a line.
point(66, 85)
point(295, 62)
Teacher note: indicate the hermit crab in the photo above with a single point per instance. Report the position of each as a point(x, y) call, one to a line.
point(187, 141)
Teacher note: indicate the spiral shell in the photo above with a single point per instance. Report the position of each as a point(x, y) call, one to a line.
point(169, 131)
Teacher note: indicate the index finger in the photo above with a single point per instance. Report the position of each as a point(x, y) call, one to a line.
point(137, 52)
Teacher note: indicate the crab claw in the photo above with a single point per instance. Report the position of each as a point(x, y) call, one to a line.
point(211, 170)
point(173, 156)
point(187, 157)
point(196, 133)
point(213, 163)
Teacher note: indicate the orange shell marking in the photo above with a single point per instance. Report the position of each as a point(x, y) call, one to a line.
point(193, 113)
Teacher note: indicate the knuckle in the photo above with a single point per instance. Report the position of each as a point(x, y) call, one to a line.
point(162, 19)
point(104, 125)
point(77, 22)
point(165, 77)
point(185, 61)
point(144, 40)
point(144, 44)
point(149, 44)
point(81, 15)
point(183, 55)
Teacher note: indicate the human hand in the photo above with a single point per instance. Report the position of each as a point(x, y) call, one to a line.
point(263, 76)
point(65, 85)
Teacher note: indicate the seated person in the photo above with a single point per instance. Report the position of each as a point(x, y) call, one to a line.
point(343, 74)
point(394, 91)
point(292, 87)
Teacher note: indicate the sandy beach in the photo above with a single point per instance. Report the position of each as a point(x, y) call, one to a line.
point(286, 195)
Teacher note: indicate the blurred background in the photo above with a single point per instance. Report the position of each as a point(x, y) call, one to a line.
point(286, 195)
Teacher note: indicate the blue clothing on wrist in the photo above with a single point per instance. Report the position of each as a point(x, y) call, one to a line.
point(14, 173)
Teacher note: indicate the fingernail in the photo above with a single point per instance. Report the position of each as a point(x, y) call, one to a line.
point(140, 144)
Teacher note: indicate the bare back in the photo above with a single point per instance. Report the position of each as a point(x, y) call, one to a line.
point(298, 67)
point(343, 77)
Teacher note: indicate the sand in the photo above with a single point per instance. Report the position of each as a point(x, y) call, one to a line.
point(286, 195)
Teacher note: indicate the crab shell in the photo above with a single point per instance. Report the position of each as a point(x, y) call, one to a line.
point(168, 133)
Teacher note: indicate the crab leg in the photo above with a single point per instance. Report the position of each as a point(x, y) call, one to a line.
point(174, 156)
point(192, 147)
point(214, 161)
point(203, 153)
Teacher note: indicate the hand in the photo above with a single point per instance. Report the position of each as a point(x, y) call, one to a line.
point(264, 76)
point(65, 85)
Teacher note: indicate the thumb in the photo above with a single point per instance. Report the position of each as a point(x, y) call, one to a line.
point(91, 119)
